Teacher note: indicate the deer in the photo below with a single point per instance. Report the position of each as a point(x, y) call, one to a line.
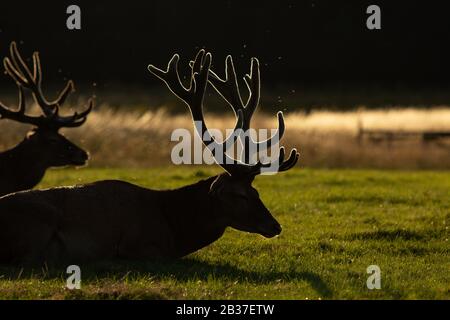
point(23, 166)
point(114, 220)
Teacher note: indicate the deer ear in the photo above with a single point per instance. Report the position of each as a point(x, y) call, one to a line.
point(217, 185)
point(250, 179)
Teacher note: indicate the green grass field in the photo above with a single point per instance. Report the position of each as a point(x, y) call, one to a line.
point(335, 224)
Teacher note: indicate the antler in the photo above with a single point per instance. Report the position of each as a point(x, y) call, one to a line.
point(19, 71)
point(228, 88)
point(194, 96)
point(19, 115)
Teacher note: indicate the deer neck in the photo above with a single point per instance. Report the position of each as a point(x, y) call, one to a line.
point(193, 217)
point(22, 167)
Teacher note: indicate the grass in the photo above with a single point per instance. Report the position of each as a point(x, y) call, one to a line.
point(336, 223)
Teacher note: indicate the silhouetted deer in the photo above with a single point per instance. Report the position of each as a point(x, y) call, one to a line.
point(118, 220)
point(23, 166)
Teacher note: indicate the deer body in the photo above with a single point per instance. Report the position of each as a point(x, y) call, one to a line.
point(85, 223)
point(19, 169)
point(117, 220)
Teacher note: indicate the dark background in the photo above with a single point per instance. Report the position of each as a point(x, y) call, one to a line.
point(302, 45)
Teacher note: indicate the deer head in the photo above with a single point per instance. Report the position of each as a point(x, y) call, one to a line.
point(237, 201)
point(44, 138)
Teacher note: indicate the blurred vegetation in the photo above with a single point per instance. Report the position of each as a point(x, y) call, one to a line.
point(140, 136)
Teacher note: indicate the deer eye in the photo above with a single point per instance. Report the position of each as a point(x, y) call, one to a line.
point(242, 196)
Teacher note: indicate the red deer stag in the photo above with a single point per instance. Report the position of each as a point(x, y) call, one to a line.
point(23, 166)
point(116, 220)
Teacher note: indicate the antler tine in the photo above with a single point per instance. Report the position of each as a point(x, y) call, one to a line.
point(282, 165)
point(19, 66)
point(37, 70)
point(197, 63)
point(171, 78)
point(62, 96)
point(19, 71)
point(290, 162)
point(253, 82)
point(194, 96)
point(12, 72)
point(77, 119)
point(19, 115)
point(267, 144)
point(228, 88)
point(236, 101)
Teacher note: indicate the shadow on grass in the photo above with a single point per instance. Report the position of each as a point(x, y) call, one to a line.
point(371, 200)
point(183, 270)
point(398, 234)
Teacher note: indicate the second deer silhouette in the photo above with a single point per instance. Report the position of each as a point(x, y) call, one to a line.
point(117, 220)
point(23, 166)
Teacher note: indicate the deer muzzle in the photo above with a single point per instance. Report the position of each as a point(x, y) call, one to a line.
point(271, 230)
